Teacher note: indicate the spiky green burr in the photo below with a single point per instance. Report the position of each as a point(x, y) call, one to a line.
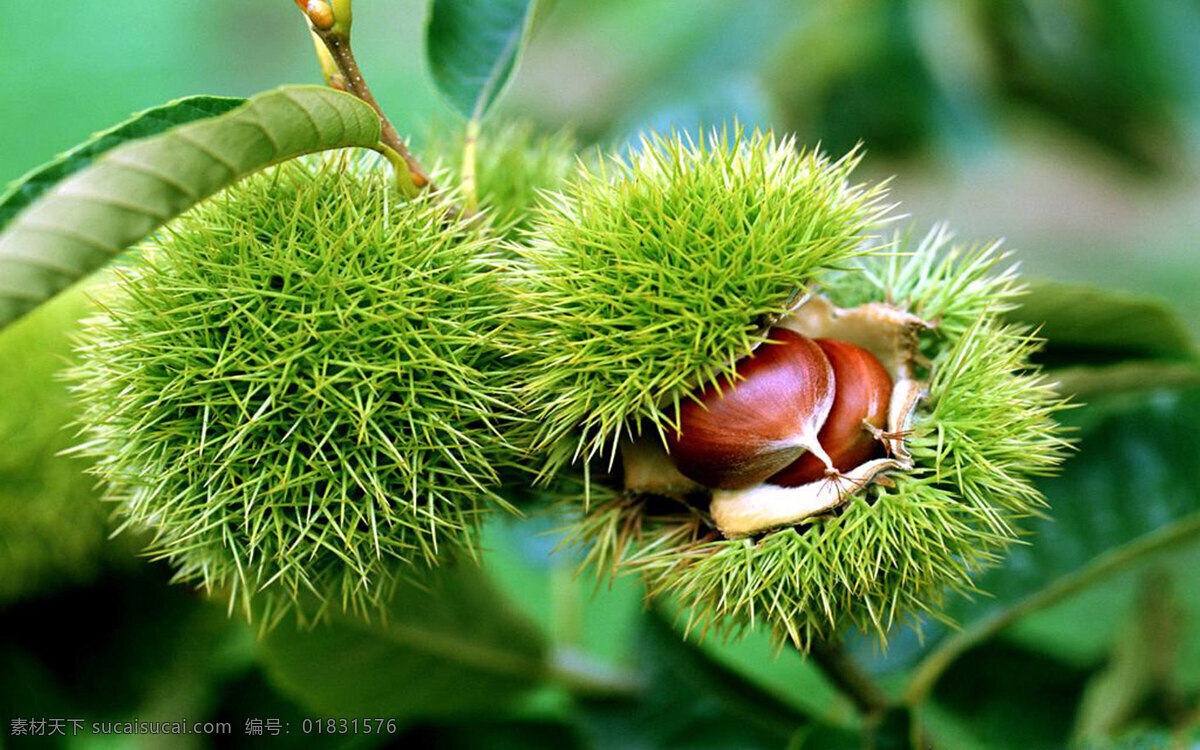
point(653, 275)
point(980, 437)
point(298, 388)
point(649, 275)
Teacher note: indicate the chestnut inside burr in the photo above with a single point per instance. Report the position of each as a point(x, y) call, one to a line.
point(850, 434)
point(738, 431)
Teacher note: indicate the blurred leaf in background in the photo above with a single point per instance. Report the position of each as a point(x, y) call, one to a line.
point(450, 648)
point(53, 528)
point(911, 75)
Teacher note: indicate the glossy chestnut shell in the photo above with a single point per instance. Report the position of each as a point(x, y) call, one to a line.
point(862, 395)
point(737, 432)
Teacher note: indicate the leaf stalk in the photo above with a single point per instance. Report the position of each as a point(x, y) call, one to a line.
point(469, 182)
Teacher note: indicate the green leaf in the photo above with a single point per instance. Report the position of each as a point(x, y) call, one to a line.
point(1128, 494)
point(523, 558)
point(53, 528)
point(133, 189)
point(251, 696)
point(1083, 629)
point(150, 650)
point(785, 674)
point(1142, 662)
point(690, 701)
point(450, 647)
point(1087, 325)
point(1085, 382)
point(31, 186)
point(1001, 698)
point(495, 735)
point(473, 48)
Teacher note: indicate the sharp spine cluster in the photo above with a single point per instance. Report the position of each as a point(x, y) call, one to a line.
point(299, 388)
point(650, 278)
point(652, 275)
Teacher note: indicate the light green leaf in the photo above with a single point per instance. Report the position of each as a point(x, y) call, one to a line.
point(133, 189)
point(1130, 492)
point(473, 48)
point(520, 556)
point(1083, 382)
point(53, 527)
point(450, 647)
point(1087, 325)
point(32, 185)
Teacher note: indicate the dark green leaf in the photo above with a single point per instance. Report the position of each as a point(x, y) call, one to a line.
point(494, 735)
point(785, 674)
point(1001, 698)
point(1086, 325)
point(1141, 666)
point(31, 186)
point(1083, 629)
point(450, 647)
point(1130, 492)
point(252, 697)
point(473, 48)
point(133, 189)
point(690, 702)
point(150, 650)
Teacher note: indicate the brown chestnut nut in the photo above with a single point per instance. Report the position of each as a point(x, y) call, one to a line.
point(739, 431)
point(864, 391)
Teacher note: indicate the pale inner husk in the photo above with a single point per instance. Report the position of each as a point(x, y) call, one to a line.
point(887, 332)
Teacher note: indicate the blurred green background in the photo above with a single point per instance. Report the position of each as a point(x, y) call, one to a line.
point(1069, 127)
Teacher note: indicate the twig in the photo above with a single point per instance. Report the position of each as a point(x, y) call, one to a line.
point(339, 47)
point(335, 34)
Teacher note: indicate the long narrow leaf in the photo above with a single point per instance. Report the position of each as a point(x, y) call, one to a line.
point(130, 191)
point(34, 184)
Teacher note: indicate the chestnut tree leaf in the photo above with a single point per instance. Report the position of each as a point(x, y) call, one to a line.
point(691, 701)
point(1084, 629)
point(527, 560)
point(84, 220)
point(474, 46)
point(33, 184)
point(450, 647)
point(1086, 325)
point(785, 674)
point(151, 650)
point(1083, 382)
point(1003, 698)
point(1130, 493)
